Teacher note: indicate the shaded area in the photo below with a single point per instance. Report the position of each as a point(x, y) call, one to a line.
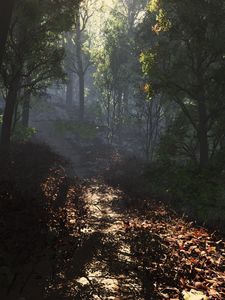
point(70, 239)
point(36, 214)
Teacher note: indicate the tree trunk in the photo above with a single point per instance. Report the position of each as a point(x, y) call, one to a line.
point(15, 116)
point(8, 118)
point(6, 8)
point(81, 96)
point(26, 111)
point(69, 91)
point(80, 69)
point(126, 102)
point(203, 134)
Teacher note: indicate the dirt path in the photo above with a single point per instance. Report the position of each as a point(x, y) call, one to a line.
point(147, 253)
point(122, 247)
point(87, 158)
point(109, 273)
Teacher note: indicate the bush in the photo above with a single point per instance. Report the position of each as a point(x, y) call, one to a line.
point(199, 194)
point(84, 130)
point(22, 133)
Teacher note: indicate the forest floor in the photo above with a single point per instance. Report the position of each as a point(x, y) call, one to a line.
point(83, 230)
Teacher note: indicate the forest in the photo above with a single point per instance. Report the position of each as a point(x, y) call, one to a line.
point(112, 149)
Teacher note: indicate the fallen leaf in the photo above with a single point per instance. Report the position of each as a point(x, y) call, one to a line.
point(194, 295)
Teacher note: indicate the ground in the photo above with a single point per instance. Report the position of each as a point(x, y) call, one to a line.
point(68, 231)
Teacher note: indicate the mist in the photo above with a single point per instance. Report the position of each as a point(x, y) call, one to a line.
point(112, 149)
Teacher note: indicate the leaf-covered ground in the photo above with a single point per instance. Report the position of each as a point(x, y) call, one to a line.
point(63, 238)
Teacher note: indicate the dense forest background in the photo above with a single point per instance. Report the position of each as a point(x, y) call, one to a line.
point(129, 91)
point(146, 77)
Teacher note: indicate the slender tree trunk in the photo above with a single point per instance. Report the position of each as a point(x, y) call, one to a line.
point(80, 71)
point(6, 8)
point(26, 111)
point(81, 96)
point(203, 134)
point(108, 117)
point(69, 91)
point(120, 115)
point(71, 80)
point(126, 102)
point(15, 116)
point(8, 118)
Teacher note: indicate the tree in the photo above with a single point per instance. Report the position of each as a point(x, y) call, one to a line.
point(70, 81)
point(6, 9)
point(82, 62)
point(186, 61)
point(33, 58)
point(117, 66)
point(78, 58)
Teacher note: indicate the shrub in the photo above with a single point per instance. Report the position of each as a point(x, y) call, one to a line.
point(22, 133)
point(84, 130)
point(197, 193)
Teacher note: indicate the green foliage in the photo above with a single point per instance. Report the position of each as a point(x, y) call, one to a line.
point(95, 109)
point(185, 66)
point(36, 55)
point(178, 142)
point(22, 133)
point(84, 130)
point(147, 59)
point(118, 70)
point(199, 194)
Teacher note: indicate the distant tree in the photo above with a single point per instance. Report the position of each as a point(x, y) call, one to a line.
point(117, 65)
point(186, 63)
point(81, 62)
point(33, 57)
point(69, 70)
point(6, 9)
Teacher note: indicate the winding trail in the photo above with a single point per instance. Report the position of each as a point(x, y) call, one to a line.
point(140, 252)
point(109, 268)
point(109, 274)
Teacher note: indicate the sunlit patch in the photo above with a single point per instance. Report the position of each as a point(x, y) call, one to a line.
point(103, 218)
point(125, 255)
point(83, 281)
point(125, 252)
point(52, 183)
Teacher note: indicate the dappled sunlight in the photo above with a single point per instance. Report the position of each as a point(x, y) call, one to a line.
point(112, 150)
point(99, 266)
point(94, 241)
point(110, 224)
point(51, 184)
point(128, 252)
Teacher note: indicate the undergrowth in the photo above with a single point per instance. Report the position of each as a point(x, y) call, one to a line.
point(84, 130)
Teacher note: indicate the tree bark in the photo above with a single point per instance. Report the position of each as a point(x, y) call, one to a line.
point(126, 102)
point(81, 96)
point(203, 134)
point(69, 91)
point(80, 69)
point(26, 111)
point(6, 9)
point(8, 118)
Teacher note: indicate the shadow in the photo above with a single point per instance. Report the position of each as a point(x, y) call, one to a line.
point(41, 215)
point(130, 261)
point(66, 239)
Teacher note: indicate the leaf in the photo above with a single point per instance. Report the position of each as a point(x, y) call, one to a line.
point(194, 295)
